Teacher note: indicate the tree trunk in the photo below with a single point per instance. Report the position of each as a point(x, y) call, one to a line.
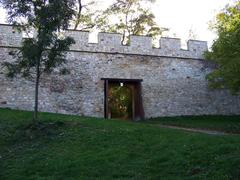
point(35, 115)
point(79, 13)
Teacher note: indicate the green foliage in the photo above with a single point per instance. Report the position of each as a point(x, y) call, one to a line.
point(86, 16)
point(28, 54)
point(120, 101)
point(226, 50)
point(128, 17)
point(46, 50)
point(74, 147)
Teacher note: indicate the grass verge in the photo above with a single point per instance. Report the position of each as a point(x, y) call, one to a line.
point(72, 147)
point(228, 124)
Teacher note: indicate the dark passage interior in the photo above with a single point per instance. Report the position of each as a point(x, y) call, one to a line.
point(123, 99)
point(120, 101)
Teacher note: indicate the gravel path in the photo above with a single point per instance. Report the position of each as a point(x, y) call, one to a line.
point(210, 132)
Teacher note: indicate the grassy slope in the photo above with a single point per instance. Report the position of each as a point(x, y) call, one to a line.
point(88, 148)
point(230, 124)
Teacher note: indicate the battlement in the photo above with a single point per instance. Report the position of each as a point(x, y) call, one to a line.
point(111, 43)
point(9, 36)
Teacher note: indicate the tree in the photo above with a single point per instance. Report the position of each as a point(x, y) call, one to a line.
point(86, 15)
point(45, 51)
point(192, 34)
point(226, 50)
point(128, 17)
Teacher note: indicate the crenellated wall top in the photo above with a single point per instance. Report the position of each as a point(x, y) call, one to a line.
point(111, 43)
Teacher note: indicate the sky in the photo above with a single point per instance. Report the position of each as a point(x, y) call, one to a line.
point(180, 16)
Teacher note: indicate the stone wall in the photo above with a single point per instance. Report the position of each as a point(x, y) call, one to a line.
point(173, 79)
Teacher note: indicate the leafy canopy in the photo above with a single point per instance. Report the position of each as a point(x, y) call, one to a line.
point(46, 48)
point(226, 50)
point(130, 17)
point(86, 16)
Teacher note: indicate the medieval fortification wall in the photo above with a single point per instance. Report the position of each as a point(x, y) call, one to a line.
point(173, 79)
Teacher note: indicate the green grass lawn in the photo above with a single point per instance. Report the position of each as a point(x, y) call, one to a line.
point(229, 124)
point(71, 147)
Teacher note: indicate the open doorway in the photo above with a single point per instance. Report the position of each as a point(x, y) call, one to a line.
point(120, 101)
point(123, 99)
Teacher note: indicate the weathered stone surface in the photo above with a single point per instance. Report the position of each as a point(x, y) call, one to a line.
point(173, 79)
point(9, 36)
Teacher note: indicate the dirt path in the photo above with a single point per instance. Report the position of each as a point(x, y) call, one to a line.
point(210, 132)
